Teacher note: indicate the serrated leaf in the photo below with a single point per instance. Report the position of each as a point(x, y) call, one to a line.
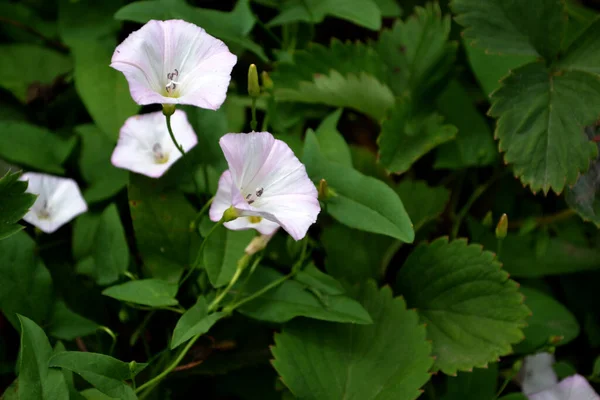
point(476, 385)
point(34, 146)
point(222, 251)
point(360, 202)
point(506, 26)
point(99, 240)
point(36, 380)
point(67, 325)
point(406, 137)
point(549, 319)
point(26, 64)
point(364, 13)
point(541, 115)
point(489, 69)
point(386, 360)
point(103, 90)
point(362, 92)
point(472, 310)
point(291, 299)
point(417, 52)
point(105, 373)
point(147, 292)
point(105, 179)
point(474, 143)
point(195, 321)
point(26, 283)
point(161, 220)
point(14, 203)
point(332, 143)
point(389, 8)
point(423, 203)
point(232, 27)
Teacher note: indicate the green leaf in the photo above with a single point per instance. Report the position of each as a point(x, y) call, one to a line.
point(34, 146)
point(147, 292)
point(472, 310)
point(541, 115)
point(99, 241)
point(26, 283)
point(406, 137)
point(95, 394)
point(549, 319)
point(14, 203)
point(87, 20)
point(290, 300)
point(67, 325)
point(418, 53)
point(103, 372)
point(232, 27)
point(161, 220)
point(489, 69)
point(36, 380)
point(476, 385)
point(368, 259)
point(24, 65)
point(364, 13)
point(584, 53)
point(584, 196)
point(222, 251)
point(103, 90)
point(362, 92)
point(386, 360)
point(105, 180)
point(422, 202)
point(389, 8)
point(195, 321)
point(474, 144)
point(506, 26)
point(360, 202)
point(537, 254)
point(315, 279)
point(331, 141)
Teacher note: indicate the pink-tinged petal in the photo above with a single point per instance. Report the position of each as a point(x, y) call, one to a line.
point(575, 387)
point(222, 200)
point(59, 201)
point(537, 373)
point(264, 226)
point(175, 51)
point(261, 164)
point(144, 138)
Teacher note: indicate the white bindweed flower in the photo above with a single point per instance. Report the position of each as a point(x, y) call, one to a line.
point(539, 381)
point(59, 201)
point(266, 185)
point(175, 62)
point(145, 145)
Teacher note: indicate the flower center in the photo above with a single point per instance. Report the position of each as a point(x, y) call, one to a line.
point(172, 83)
point(252, 197)
point(160, 156)
point(254, 219)
point(44, 213)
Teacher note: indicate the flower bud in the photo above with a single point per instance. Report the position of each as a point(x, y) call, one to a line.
point(325, 192)
point(257, 244)
point(230, 214)
point(132, 366)
point(502, 227)
point(168, 109)
point(266, 81)
point(253, 86)
point(487, 220)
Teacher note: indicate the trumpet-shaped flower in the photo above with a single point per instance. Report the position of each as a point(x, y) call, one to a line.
point(266, 185)
point(175, 62)
point(539, 381)
point(59, 201)
point(145, 146)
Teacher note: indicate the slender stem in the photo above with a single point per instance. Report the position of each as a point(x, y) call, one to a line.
point(252, 269)
point(112, 335)
point(179, 147)
point(504, 385)
point(152, 382)
point(197, 260)
point(547, 219)
point(205, 207)
point(233, 281)
point(138, 331)
point(253, 123)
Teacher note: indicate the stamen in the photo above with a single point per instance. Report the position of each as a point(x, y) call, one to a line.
point(259, 192)
point(160, 157)
point(249, 195)
point(44, 213)
point(250, 201)
point(172, 84)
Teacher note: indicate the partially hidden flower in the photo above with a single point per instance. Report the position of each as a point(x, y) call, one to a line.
point(145, 145)
point(539, 381)
point(266, 185)
point(175, 62)
point(59, 201)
